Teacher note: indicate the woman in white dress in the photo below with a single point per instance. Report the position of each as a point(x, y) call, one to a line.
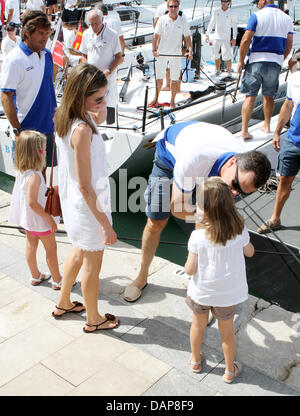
point(84, 191)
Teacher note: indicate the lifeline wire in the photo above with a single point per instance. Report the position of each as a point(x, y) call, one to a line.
point(140, 240)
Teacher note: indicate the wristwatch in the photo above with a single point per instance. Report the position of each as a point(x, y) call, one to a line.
point(17, 130)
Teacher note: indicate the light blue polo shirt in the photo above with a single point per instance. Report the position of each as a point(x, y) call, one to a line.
point(271, 26)
point(30, 76)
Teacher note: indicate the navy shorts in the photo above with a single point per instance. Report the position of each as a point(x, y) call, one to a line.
point(50, 2)
point(289, 157)
point(158, 191)
point(261, 74)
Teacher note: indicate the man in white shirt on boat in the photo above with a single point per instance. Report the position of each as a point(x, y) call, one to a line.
point(160, 11)
point(185, 154)
point(11, 40)
point(101, 47)
point(12, 11)
point(36, 5)
point(114, 23)
point(166, 45)
point(271, 32)
point(223, 20)
point(288, 146)
point(71, 14)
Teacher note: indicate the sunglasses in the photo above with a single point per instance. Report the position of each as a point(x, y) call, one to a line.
point(173, 7)
point(236, 184)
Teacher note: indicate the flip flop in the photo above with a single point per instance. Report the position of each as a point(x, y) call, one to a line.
point(39, 280)
point(71, 310)
point(133, 293)
point(109, 317)
point(237, 371)
point(57, 285)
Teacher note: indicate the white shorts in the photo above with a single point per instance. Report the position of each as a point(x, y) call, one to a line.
point(174, 64)
point(225, 47)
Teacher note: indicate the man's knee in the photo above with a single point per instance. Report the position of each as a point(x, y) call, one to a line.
point(155, 226)
point(286, 182)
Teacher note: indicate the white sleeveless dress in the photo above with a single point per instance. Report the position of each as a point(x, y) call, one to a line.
point(20, 211)
point(84, 231)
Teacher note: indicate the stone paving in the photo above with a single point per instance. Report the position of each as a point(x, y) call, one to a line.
point(148, 354)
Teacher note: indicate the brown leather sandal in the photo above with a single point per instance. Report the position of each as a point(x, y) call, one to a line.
point(71, 310)
point(109, 317)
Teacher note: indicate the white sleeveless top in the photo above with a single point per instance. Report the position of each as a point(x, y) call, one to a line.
point(83, 230)
point(20, 211)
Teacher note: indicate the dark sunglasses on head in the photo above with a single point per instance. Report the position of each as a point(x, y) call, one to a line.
point(236, 184)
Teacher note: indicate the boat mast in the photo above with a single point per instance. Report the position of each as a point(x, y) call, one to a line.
point(195, 2)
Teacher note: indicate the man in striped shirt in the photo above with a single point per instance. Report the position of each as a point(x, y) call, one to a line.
point(271, 32)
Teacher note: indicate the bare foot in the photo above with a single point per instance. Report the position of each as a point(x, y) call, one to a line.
point(153, 102)
point(265, 129)
point(246, 136)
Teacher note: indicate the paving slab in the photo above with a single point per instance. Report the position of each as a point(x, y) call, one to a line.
point(28, 348)
point(11, 290)
point(113, 380)
point(37, 381)
point(250, 382)
point(23, 313)
point(2, 275)
point(176, 383)
point(170, 346)
point(89, 353)
point(9, 256)
point(269, 344)
point(151, 347)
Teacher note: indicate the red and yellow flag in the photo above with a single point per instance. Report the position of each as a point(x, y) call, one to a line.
point(78, 39)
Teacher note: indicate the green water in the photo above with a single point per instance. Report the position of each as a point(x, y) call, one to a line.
point(130, 226)
point(6, 182)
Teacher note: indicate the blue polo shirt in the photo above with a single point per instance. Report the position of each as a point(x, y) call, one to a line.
point(271, 26)
point(195, 150)
point(30, 76)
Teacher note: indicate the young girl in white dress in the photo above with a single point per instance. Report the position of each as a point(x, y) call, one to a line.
point(217, 265)
point(28, 202)
point(84, 191)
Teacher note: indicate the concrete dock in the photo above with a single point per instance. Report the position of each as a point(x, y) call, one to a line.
point(148, 354)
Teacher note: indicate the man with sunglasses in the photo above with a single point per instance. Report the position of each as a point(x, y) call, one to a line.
point(167, 41)
point(223, 20)
point(186, 153)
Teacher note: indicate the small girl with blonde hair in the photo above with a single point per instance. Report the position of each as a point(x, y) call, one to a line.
point(28, 202)
point(216, 261)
